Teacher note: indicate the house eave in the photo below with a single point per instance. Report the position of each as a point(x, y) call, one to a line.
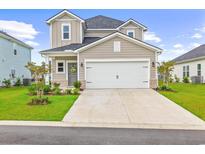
point(190, 60)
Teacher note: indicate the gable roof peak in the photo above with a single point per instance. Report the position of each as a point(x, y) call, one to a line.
point(65, 11)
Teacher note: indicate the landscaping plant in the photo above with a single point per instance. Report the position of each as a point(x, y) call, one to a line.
point(38, 73)
point(165, 69)
point(186, 80)
point(7, 83)
point(176, 78)
point(18, 82)
point(77, 84)
point(56, 89)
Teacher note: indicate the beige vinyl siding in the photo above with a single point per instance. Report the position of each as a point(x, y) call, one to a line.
point(138, 30)
point(61, 78)
point(102, 33)
point(128, 50)
point(57, 34)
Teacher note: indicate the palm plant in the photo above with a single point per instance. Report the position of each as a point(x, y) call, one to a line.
point(166, 69)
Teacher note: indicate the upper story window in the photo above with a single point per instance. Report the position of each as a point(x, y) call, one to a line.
point(131, 33)
point(60, 66)
point(66, 31)
point(198, 69)
point(15, 52)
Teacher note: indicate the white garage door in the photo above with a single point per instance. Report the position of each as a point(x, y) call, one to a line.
point(117, 74)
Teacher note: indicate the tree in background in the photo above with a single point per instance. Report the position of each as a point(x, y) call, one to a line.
point(165, 69)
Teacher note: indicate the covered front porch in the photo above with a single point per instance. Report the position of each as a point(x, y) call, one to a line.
point(63, 69)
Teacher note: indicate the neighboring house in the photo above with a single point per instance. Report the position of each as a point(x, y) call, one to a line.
point(101, 52)
point(191, 64)
point(14, 55)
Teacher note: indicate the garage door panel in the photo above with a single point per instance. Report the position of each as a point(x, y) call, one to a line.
point(117, 75)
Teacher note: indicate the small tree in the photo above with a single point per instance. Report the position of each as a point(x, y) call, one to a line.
point(165, 69)
point(38, 73)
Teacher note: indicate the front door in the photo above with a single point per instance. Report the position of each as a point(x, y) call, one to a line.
point(72, 73)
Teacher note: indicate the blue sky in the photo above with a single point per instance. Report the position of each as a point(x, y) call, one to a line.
point(175, 31)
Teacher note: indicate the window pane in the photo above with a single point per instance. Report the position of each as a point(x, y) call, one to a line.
point(130, 34)
point(65, 35)
point(65, 28)
point(60, 69)
point(60, 64)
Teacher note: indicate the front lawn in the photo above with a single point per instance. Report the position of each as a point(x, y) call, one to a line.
point(13, 106)
point(189, 96)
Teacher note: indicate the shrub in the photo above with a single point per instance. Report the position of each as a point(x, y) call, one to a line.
point(77, 84)
point(74, 91)
point(32, 89)
point(39, 101)
point(56, 85)
point(56, 89)
point(46, 89)
point(176, 78)
point(18, 82)
point(7, 83)
point(165, 88)
point(186, 80)
point(67, 91)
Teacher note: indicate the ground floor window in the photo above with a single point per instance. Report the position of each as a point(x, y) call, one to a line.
point(198, 69)
point(60, 66)
point(186, 71)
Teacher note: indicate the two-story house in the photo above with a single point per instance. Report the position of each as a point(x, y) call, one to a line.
point(101, 52)
point(14, 55)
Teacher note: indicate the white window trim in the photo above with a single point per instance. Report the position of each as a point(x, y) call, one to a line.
point(116, 46)
point(131, 30)
point(66, 24)
point(60, 61)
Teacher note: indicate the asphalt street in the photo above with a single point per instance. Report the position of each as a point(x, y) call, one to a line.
point(94, 136)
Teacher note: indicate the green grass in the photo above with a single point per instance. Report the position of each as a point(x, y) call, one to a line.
point(189, 96)
point(13, 106)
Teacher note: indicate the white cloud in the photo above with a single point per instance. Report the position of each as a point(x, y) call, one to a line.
point(194, 45)
point(151, 36)
point(197, 36)
point(19, 30)
point(178, 46)
point(32, 43)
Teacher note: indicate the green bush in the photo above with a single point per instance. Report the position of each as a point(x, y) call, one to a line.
point(56, 89)
point(176, 78)
point(18, 82)
point(56, 85)
point(165, 88)
point(77, 84)
point(39, 101)
point(32, 89)
point(46, 89)
point(7, 83)
point(186, 80)
point(74, 91)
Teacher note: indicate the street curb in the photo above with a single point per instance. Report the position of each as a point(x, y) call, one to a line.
point(100, 125)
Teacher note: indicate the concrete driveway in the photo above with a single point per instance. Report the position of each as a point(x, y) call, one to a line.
point(132, 108)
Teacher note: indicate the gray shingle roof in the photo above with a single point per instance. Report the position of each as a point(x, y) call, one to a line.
point(194, 53)
point(102, 22)
point(15, 39)
point(86, 41)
